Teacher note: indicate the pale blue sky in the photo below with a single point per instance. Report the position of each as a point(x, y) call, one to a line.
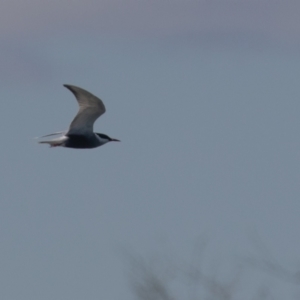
point(205, 99)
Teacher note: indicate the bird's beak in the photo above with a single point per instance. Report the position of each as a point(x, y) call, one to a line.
point(115, 140)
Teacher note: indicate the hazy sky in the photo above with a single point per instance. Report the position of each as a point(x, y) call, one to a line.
point(204, 96)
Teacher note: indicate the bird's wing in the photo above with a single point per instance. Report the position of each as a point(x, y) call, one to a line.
point(90, 109)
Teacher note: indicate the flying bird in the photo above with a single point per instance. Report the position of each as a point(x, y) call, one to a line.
point(80, 134)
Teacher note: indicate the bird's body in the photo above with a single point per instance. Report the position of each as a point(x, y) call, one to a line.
point(80, 134)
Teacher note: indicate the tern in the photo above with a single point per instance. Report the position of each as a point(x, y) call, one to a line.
point(80, 134)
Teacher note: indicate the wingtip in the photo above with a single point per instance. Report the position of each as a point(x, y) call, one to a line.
point(72, 88)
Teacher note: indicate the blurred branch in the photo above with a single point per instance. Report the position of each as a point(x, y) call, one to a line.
point(152, 281)
point(276, 269)
point(166, 279)
point(148, 284)
point(270, 265)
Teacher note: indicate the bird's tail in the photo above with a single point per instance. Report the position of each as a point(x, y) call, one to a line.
point(55, 133)
point(55, 142)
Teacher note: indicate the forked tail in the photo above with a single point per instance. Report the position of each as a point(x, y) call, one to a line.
point(55, 142)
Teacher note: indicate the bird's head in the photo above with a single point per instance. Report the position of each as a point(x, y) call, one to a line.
point(105, 138)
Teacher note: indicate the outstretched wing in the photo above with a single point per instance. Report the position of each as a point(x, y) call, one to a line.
point(90, 109)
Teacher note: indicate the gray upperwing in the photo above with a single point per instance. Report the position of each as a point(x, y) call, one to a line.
point(90, 109)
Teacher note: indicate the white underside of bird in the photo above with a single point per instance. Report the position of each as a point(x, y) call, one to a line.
point(55, 142)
